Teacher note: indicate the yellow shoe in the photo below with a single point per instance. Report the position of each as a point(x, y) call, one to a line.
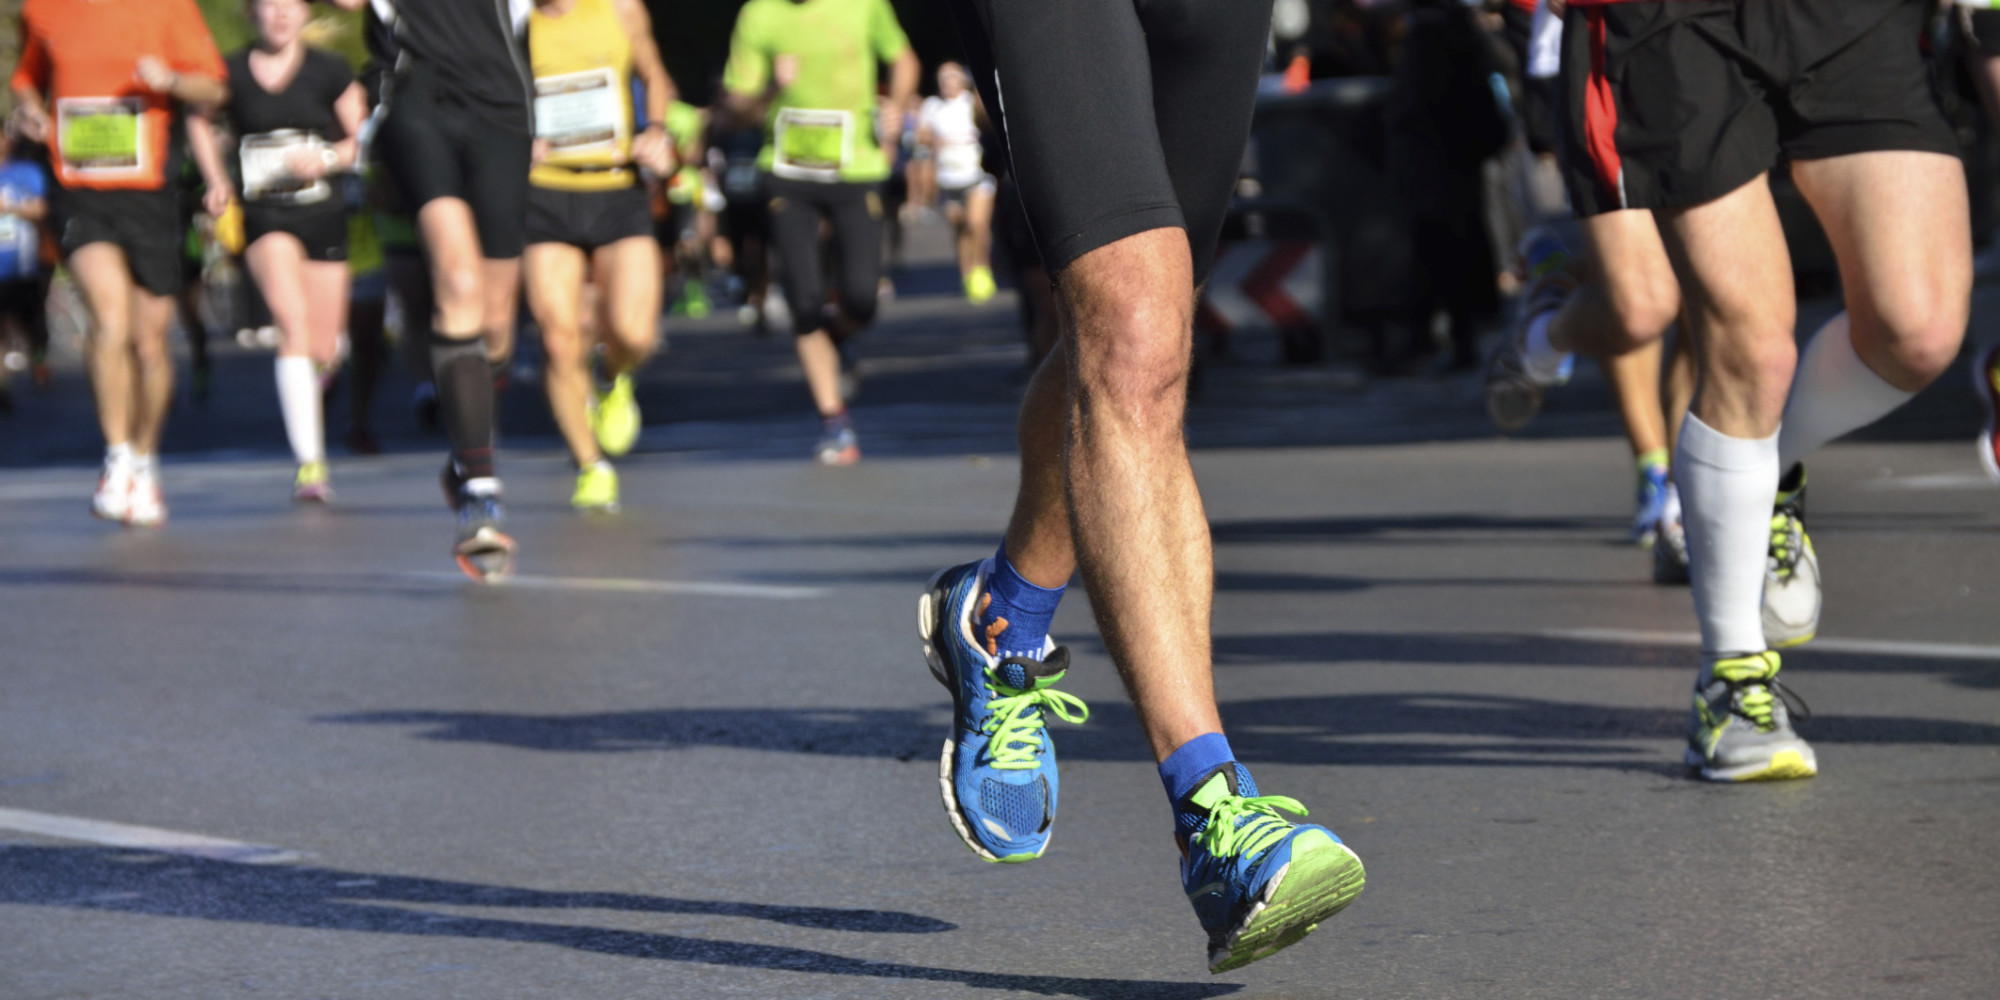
point(313, 484)
point(596, 488)
point(980, 286)
point(615, 419)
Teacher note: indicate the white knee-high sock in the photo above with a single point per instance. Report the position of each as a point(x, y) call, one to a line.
point(1834, 392)
point(298, 398)
point(1727, 485)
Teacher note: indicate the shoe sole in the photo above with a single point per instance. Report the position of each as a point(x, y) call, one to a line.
point(1785, 765)
point(930, 625)
point(1987, 382)
point(486, 557)
point(1315, 886)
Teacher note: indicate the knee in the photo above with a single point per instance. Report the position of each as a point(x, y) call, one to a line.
point(563, 344)
point(1764, 361)
point(1912, 342)
point(1645, 315)
point(1136, 364)
point(459, 288)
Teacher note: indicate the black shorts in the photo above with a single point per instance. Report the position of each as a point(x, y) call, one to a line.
point(958, 195)
point(322, 228)
point(146, 225)
point(436, 148)
point(1670, 103)
point(1120, 116)
point(1985, 38)
point(855, 213)
point(588, 219)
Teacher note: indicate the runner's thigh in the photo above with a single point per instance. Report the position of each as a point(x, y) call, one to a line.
point(1069, 83)
point(1206, 56)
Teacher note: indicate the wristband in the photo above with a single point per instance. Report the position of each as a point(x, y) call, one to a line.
point(330, 158)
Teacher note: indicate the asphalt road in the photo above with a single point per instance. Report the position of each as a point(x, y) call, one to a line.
point(691, 751)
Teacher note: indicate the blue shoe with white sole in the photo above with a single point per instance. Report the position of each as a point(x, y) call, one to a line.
point(998, 773)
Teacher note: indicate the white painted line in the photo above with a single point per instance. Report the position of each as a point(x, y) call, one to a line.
point(145, 838)
point(1936, 481)
point(1882, 647)
point(766, 591)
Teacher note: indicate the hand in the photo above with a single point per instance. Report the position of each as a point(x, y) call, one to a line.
point(538, 151)
point(155, 75)
point(216, 200)
point(31, 122)
point(784, 69)
point(305, 164)
point(653, 150)
point(888, 124)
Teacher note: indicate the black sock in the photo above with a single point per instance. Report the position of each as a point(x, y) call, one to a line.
point(465, 400)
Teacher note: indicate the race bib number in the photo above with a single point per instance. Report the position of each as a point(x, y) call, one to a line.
point(267, 173)
point(812, 145)
point(579, 112)
point(100, 136)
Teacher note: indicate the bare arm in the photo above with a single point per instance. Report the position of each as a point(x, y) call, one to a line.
point(208, 156)
point(34, 210)
point(902, 96)
point(31, 114)
point(203, 92)
point(653, 148)
point(351, 110)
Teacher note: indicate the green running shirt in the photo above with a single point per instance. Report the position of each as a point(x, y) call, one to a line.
point(822, 126)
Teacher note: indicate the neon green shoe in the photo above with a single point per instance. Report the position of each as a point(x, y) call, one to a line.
point(1740, 728)
point(313, 484)
point(596, 488)
point(980, 286)
point(615, 418)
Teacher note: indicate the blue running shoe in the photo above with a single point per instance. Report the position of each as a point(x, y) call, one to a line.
point(998, 773)
point(1651, 506)
point(1258, 882)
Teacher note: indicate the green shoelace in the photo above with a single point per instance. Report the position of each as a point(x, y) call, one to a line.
point(1016, 725)
point(1786, 545)
point(1754, 679)
point(1239, 825)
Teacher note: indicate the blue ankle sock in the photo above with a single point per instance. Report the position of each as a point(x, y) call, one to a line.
point(1185, 768)
point(1021, 609)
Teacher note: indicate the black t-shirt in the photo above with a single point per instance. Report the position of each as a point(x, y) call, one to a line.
point(305, 104)
point(472, 47)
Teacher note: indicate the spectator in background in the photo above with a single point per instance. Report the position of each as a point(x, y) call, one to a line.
point(1444, 122)
point(24, 282)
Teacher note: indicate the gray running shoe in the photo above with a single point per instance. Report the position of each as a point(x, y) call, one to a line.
point(1740, 728)
point(838, 445)
point(1791, 574)
point(483, 551)
point(1513, 393)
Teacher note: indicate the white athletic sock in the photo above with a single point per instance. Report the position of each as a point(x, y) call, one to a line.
point(483, 486)
point(1727, 485)
point(1543, 361)
point(1834, 392)
point(119, 455)
point(298, 397)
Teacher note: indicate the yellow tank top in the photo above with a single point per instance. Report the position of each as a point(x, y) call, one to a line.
point(582, 63)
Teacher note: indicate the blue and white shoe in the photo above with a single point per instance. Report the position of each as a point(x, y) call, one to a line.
point(1651, 506)
point(1258, 881)
point(998, 772)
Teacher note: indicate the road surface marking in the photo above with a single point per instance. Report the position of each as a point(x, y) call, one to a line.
point(146, 838)
point(1882, 647)
point(767, 591)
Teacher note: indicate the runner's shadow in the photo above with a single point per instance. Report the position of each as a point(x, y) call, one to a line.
point(132, 882)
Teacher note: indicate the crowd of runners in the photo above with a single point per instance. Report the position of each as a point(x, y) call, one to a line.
point(495, 153)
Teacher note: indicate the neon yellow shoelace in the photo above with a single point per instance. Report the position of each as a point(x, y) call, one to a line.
point(1016, 725)
point(1238, 825)
point(1754, 676)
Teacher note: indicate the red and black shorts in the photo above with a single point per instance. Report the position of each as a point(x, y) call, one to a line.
point(1671, 103)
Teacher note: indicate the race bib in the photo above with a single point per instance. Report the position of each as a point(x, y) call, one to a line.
point(267, 173)
point(579, 112)
point(99, 136)
point(811, 145)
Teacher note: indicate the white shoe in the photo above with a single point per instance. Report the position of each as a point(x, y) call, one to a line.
point(114, 490)
point(147, 508)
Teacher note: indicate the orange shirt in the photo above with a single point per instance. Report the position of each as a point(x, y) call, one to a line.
point(107, 130)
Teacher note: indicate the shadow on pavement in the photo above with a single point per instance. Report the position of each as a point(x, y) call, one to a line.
point(1399, 729)
point(123, 881)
